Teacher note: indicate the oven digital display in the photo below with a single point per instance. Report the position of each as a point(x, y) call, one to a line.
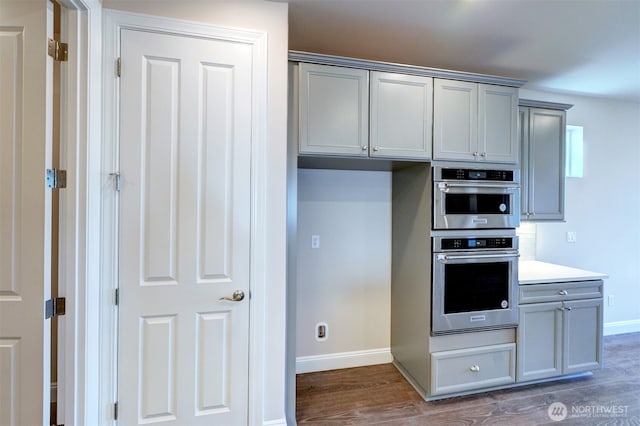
point(477, 174)
point(473, 243)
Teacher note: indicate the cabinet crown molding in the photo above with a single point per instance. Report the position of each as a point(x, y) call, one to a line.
point(342, 61)
point(543, 104)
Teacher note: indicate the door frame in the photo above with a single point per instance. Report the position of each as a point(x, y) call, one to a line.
point(79, 263)
point(114, 21)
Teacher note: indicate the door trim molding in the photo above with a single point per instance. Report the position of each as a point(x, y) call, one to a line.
point(81, 79)
point(114, 21)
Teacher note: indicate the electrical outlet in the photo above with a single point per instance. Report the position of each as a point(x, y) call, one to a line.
point(322, 331)
point(315, 241)
point(611, 300)
point(571, 236)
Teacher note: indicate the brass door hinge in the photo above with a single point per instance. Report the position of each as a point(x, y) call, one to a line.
point(55, 307)
point(57, 50)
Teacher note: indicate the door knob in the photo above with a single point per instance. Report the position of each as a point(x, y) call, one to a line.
point(237, 296)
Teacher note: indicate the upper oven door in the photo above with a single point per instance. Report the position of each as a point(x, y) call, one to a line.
point(475, 205)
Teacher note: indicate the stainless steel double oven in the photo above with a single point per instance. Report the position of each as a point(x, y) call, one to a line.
point(475, 249)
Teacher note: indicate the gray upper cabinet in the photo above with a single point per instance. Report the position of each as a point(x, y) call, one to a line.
point(348, 109)
point(475, 122)
point(333, 110)
point(401, 116)
point(542, 136)
point(342, 114)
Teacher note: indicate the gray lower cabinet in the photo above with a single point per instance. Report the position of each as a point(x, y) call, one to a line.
point(472, 368)
point(560, 336)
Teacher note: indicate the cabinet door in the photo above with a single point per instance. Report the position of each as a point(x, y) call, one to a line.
point(401, 116)
point(455, 120)
point(523, 136)
point(539, 341)
point(582, 335)
point(497, 123)
point(333, 110)
point(546, 164)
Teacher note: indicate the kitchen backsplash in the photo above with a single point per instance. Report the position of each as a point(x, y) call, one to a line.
point(527, 234)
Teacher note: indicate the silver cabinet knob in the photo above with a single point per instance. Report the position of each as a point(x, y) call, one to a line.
point(484, 154)
point(237, 296)
point(364, 147)
point(475, 368)
point(475, 154)
point(563, 292)
point(375, 149)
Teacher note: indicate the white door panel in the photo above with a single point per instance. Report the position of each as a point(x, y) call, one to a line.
point(185, 145)
point(25, 211)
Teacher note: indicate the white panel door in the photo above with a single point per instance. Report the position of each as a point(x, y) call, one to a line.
point(25, 211)
point(185, 145)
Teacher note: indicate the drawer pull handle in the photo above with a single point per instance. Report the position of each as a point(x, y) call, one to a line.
point(474, 368)
point(563, 292)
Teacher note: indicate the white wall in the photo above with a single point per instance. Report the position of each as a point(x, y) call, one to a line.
point(272, 18)
point(603, 207)
point(347, 281)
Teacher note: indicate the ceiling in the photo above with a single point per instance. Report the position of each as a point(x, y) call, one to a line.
point(588, 47)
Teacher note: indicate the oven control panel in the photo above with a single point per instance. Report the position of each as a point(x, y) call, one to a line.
point(480, 243)
point(477, 174)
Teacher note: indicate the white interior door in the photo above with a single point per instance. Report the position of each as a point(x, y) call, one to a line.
point(25, 211)
point(184, 229)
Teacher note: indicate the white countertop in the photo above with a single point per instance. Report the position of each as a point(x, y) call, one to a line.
point(535, 272)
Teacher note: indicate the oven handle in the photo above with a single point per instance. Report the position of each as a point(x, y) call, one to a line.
point(445, 257)
point(444, 186)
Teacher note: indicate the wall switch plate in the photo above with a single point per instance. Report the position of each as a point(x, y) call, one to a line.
point(315, 241)
point(571, 236)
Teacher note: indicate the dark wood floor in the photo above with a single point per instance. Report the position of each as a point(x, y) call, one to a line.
point(379, 395)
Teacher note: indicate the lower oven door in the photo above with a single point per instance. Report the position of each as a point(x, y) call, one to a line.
point(473, 290)
point(475, 206)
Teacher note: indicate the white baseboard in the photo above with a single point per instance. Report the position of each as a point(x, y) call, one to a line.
point(621, 327)
point(309, 364)
point(277, 422)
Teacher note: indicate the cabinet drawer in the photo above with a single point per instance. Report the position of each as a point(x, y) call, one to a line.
point(554, 292)
point(466, 369)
